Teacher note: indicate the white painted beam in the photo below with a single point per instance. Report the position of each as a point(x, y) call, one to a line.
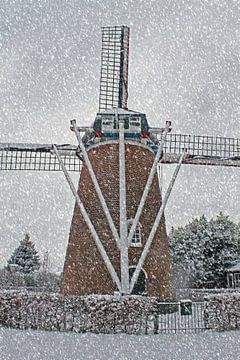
point(96, 185)
point(148, 184)
point(156, 224)
point(95, 236)
point(123, 213)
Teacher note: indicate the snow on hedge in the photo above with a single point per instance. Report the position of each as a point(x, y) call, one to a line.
point(105, 314)
point(222, 311)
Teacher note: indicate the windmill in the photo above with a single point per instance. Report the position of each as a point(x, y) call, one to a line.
point(118, 239)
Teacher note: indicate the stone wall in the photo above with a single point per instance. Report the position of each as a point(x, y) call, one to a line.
point(99, 314)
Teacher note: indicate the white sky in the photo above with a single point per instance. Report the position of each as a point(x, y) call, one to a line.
point(184, 67)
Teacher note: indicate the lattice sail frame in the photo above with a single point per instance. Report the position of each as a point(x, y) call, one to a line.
point(209, 146)
point(201, 150)
point(37, 157)
point(114, 68)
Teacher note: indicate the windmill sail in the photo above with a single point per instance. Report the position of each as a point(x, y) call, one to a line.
point(201, 150)
point(37, 157)
point(114, 68)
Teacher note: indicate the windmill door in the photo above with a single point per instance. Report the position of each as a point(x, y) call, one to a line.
point(140, 287)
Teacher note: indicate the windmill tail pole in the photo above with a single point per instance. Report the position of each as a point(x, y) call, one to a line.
point(124, 261)
point(156, 223)
point(149, 182)
point(88, 222)
point(96, 185)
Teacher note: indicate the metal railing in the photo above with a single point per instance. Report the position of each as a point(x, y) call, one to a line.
point(184, 316)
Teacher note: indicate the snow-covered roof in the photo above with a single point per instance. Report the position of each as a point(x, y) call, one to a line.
point(234, 268)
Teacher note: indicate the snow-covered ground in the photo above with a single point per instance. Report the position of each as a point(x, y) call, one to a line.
point(40, 345)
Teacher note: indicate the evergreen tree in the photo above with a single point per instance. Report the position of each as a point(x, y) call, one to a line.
point(205, 249)
point(222, 250)
point(25, 258)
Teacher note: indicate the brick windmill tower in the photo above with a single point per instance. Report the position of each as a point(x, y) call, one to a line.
point(116, 244)
point(118, 238)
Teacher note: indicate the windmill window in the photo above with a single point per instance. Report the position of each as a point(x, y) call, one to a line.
point(107, 124)
point(136, 238)
point(135, 124)
point(237, 279)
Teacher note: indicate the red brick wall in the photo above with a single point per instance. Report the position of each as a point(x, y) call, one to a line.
point(84, 270)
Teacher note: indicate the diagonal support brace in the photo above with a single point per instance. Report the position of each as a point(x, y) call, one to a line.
point(149, 182)
point(156, 223)
point(96, 185)
point(123, 213)
point(94, 234)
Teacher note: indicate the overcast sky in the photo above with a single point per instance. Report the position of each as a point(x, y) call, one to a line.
point(184, 67)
